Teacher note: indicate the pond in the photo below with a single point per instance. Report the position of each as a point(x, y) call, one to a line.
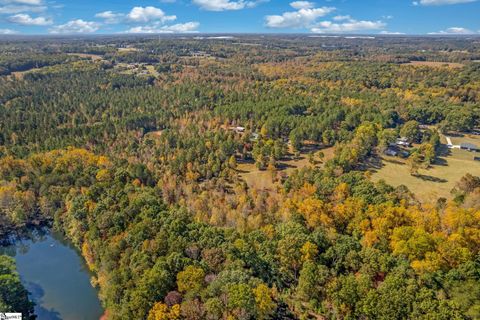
point(58, 280)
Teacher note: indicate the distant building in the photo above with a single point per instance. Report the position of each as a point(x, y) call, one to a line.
point(470, 147)
point(403, 142)
point(238, 129)
point(391, 152)
point(404, 154)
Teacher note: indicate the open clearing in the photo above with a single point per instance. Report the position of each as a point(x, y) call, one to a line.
point(129, 49)
point(262, 179)
point(94, 57)
point(434, 182)
point(466, 138)
point(137, 69)
point(19, 74)
point(434, 64)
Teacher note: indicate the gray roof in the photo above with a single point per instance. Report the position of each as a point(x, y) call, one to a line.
point(469, 146)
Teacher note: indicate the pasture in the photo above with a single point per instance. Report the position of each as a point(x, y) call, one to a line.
point(434, 182)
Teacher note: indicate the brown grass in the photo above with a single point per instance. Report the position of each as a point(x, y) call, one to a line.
point(128, 49)
point(94, 57)
point(262, 179)
point(431, 183)
point(466, 138)
point(434, 64)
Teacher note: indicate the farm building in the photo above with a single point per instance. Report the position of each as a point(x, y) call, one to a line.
point(469, 147)
point(391, 152)
point(403, 142)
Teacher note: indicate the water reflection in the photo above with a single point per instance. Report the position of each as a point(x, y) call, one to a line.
point(55, 275)
point(37, 293)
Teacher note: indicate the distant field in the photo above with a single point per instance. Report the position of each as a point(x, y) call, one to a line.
point(128, 49)
point(262, 179)
point(435, 182)
point(256, 179)
point(86, 55)
point(19, 74)
point(125, 68)
point(434, 64)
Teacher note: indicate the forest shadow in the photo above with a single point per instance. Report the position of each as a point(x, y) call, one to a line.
point(444, 151)
point(394, 161)
point(441, 162)
point(455, 134)
point(284, 166)
point(37, 293)
point(307, 148)
point(425, 177)
point(373, 164)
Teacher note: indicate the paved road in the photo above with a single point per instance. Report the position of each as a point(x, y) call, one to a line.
point(450, 145)
point(449, 141)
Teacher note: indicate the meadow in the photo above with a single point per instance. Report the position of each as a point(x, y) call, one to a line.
point(265, 179)
point(436, 181)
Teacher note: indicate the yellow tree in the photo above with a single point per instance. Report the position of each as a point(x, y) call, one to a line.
point(264, 302)
point(161, 311)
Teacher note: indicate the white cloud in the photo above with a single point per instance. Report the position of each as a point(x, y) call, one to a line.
point(302, 5)
point(223, 5)
point(391, 33)
point(110, 17)
point(342, 18)
point(27, 20)
point(440, 2)
point(188, 27)
point(147, 14)
point(349, 26)
point(302, 18)
point(454, 30)
point(23, 2)
point(76, 26)
point(12, 9)
point(8, 31)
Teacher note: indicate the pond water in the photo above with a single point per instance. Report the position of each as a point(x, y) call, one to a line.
point(54, 273)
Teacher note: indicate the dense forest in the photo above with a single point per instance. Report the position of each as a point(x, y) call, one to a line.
point(134, 147)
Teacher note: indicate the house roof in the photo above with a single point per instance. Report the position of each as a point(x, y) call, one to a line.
point(469, 146)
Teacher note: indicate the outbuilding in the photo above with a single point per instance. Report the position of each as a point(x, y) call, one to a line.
point(470, 147)
point(391, 152)
point(403, 142)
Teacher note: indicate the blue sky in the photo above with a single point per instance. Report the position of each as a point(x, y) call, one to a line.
point(226, 16)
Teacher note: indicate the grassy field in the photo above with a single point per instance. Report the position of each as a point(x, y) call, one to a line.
point(125, 68)
point(94, 57)
point(19, 74)
point(434, 64)
point(262, 179)
point(131, 49)
point(434, 182)
point(466, 139)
